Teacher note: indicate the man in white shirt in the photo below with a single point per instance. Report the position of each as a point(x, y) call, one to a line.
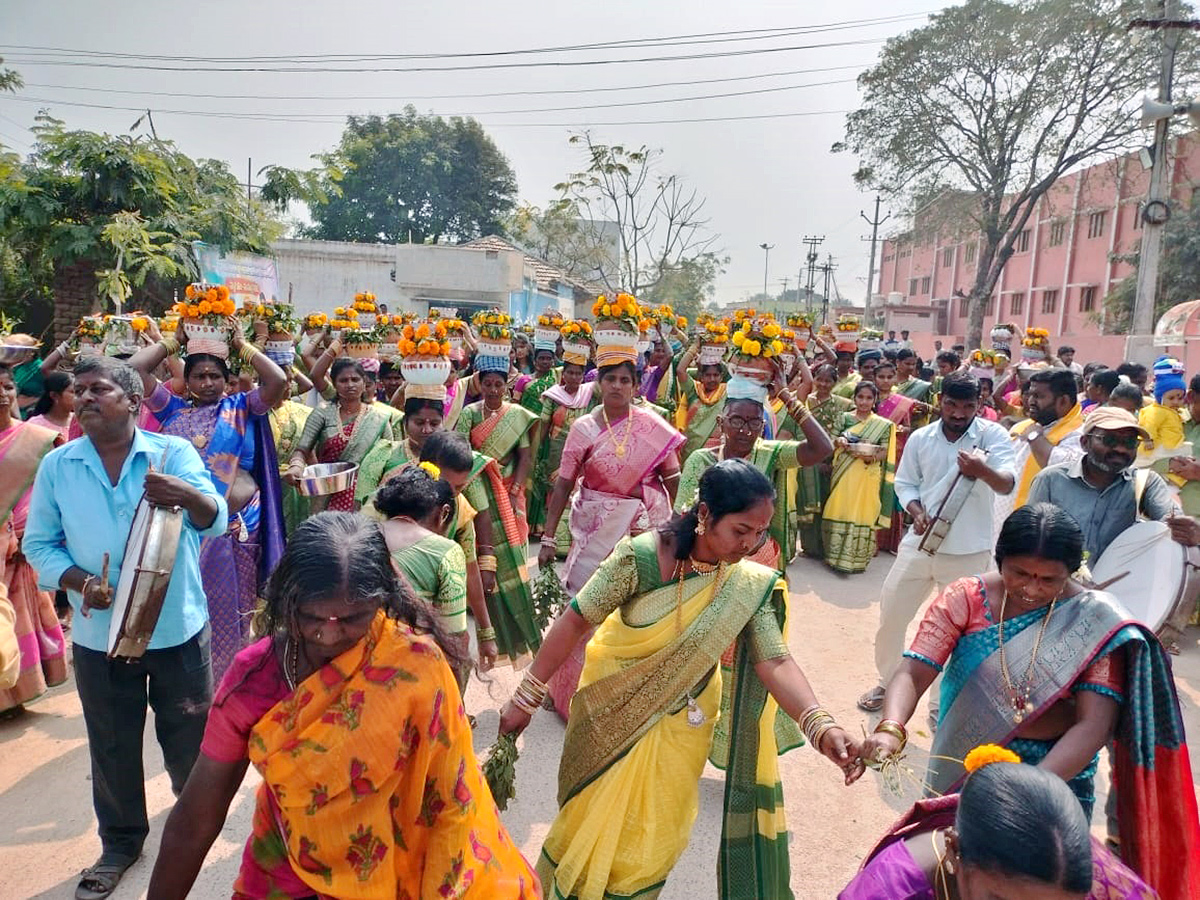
point(933, 457)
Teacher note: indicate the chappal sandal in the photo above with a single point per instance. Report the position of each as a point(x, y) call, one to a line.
point(100, 880)
point(872, 700)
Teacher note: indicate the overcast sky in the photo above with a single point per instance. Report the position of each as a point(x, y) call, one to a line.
point(764, 166)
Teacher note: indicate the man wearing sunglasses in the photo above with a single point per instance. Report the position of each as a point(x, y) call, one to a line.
point(1101, 490)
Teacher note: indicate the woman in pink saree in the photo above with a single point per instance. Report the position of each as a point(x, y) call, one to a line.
point(624, 460)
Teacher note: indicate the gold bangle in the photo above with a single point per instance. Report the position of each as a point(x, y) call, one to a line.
point(485, 634)
point(895, 729)
point(486, 563)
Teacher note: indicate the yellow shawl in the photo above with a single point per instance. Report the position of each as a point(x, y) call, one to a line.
point(1055, 433)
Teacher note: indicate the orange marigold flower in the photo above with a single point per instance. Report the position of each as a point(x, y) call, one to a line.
point(222, 292)
point(986, 754)
point(190, 291)
point(205, 307)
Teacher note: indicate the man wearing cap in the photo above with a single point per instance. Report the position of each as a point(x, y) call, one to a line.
point(1100, 490)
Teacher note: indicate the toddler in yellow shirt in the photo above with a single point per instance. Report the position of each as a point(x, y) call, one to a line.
point(1163, 418)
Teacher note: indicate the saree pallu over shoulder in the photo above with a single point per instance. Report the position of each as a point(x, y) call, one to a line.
point(1157, 811)
point(368, 770)
point(628, 727)
point(22, 448)
point(608, 716)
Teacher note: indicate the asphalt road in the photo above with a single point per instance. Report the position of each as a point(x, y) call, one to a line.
point(47, 830)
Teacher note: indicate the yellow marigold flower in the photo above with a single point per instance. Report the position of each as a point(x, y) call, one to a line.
point(777, 346)
point(432, 470)
point(772, 331)
point(606, 309)
point(352, 314)
point(986, 754)
point(746, 326)
point(738, 339)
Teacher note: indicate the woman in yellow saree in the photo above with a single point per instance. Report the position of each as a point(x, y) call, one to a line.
point(349, 710)
point(862, 487)
point(668, 603)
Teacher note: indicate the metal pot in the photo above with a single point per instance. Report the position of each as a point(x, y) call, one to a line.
point(326, 478)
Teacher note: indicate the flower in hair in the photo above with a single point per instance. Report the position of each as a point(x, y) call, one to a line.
point(431, 470)
point(986, 754)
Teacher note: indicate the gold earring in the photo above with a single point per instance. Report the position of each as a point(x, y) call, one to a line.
point(701, 527)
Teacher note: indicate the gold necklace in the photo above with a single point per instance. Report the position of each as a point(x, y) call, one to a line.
point(618, 446)
point(1019, 696)
point(695, 715)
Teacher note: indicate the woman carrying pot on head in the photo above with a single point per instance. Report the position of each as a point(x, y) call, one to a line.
point(233, 436)
point(562, 405)
point(499, 430)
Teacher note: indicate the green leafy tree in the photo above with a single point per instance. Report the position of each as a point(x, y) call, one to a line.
point(1178, 273)
point(995, 101)
point(653, 222)
point(94, 215)
point(402, 178)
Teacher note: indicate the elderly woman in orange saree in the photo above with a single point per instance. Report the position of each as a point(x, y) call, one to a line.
point(624, 459)
point(349, 710)
point(39, 634)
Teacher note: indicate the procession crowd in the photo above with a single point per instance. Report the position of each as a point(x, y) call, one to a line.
point(358, 498)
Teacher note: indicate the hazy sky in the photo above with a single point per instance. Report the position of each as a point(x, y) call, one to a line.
point(768, 175)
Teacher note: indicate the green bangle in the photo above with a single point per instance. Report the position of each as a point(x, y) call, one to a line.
point(485, 634)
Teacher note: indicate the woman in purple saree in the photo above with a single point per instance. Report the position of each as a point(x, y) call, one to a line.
point(1014, 832)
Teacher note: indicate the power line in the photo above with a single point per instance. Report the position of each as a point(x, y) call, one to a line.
point(511, 112)
point(408, 98)
point(664, 41)
point(268, 117)
point(723, 54)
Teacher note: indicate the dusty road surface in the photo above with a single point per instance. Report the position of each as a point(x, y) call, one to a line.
point(47, 830)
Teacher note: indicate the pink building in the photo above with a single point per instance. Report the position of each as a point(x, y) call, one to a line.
point(1062, 267)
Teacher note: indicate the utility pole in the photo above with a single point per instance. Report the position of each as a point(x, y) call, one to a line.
point(874, 223)
point(784, 282)
point(812, 243)
point(827, 270)
point(249, 195)
point(767, 248)
point(1160, 188)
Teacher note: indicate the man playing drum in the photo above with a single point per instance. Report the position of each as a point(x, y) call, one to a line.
point(1100, 490)
point(81, 512)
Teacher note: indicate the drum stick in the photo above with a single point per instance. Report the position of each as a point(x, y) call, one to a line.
point(104, 576)
point(1104, 585)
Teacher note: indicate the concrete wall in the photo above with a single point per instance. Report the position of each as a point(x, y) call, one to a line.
point(325, 274)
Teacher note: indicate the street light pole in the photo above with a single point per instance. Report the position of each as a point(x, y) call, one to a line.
point(767, 248)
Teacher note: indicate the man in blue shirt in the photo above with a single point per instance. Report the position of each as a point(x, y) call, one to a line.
point(82, 508)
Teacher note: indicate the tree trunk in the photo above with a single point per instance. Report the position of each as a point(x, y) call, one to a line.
point(74, 296)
